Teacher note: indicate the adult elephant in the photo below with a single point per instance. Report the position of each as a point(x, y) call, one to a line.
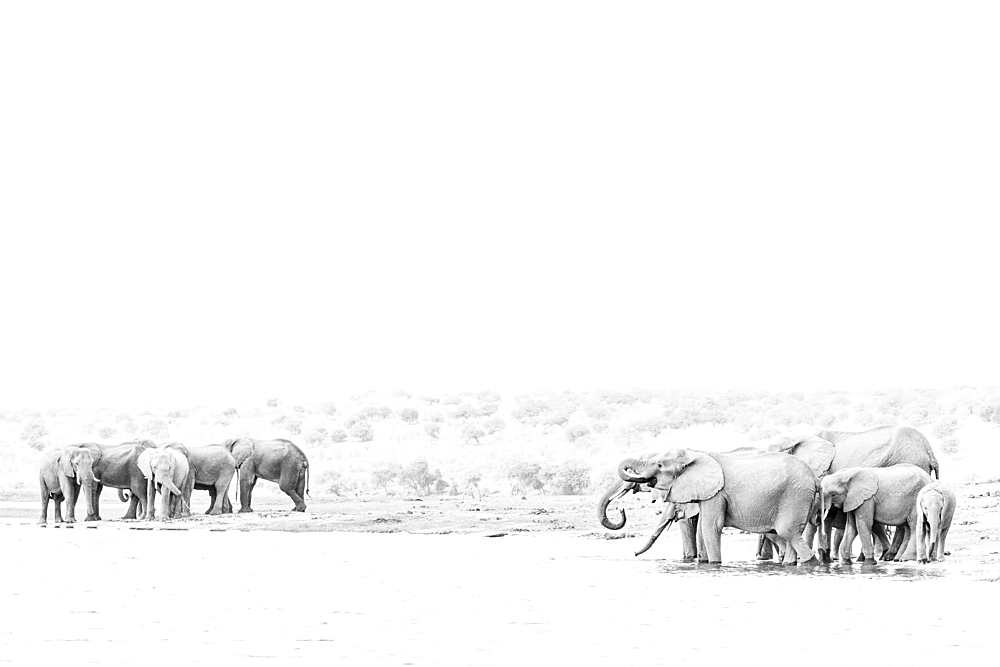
point(166, 468)
point(61, 474)
point(875, 448)
point(686, 516)
point(759, 494)
point(278, 461)
point(116, 466)
point(212, 470)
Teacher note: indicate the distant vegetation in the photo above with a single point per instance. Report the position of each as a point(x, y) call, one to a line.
point(480, 443)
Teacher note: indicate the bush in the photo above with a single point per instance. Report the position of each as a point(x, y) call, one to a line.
point(949, 445)
point(315, 438)
point(279, 420)
point(433, 430)
point(418, 476)
point(230, 413)
point(130, 428)
point(33, 431)
point(435, 417)
point(329, 409)
point(577, 431)
point(272, 402)
point(473, 432)
point(487, 409)
point(331, 481)
point(494, 425)
point(524, 477)
point(294, 427)
point(106, 432)
point(569, 479)
point(945, 426)
point(363, 431)
point(156, 428)
point(401, 393)
point(338, 435)
point(409, 415)
point(383, 474)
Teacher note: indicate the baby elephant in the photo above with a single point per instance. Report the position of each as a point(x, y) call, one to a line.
point(935, 510)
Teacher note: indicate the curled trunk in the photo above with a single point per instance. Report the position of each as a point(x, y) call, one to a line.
point(631, 464)
point(615, 491)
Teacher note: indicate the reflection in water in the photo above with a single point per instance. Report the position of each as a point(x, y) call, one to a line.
point(899, 571)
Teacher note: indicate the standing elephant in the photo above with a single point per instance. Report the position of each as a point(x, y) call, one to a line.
point(935, 510)
point(875, 448)
point(212, 470)
point(167, 468)
point(866, 495)
point(278, 461)
point(759, 494)
point(686, 517)
point(115, 466)
point(61, 474)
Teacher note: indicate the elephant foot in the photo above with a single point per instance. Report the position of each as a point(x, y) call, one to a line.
point(811, 562)
point(92, 518)
point(870, 561)
point(824, 555)
point(42, 522)
point(924, 561)
point(70, 520)
point(846, 561)
point(688, 559)
point(243, 510)
point(299, 509)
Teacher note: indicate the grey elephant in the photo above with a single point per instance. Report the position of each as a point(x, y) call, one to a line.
point(116, 466)
point(166, 469)
point(211, 469)
point(759, 493)
point(685, 516)
point(61, 475)
point(875, 448)
point(868, 495)
point(278, 461)
point(935, 510)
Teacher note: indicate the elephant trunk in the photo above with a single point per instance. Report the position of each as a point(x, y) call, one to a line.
point(174, 490)
point(668, 514)
point(823, 509)
point(85, 478)
point(934, 520)
point(631, 464)
point(614, 492)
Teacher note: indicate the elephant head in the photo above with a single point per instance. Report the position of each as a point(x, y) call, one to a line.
point(77, 463)
point(846, 489)
point(164, 466)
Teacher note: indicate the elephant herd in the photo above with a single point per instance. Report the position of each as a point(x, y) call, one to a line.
point(798, 495)
point(140, 468)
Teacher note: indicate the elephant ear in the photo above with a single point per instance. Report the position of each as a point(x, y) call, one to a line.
point(144, 463)
point(66, 464)
point(815, 451)
point(862, 485)
point(700, 479)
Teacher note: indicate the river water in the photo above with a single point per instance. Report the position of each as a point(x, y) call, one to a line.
point(100, 596)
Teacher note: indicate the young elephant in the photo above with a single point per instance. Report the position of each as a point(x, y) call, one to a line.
point(167, 468)
point(61, 475)
point(935, 510)
point(868, 495)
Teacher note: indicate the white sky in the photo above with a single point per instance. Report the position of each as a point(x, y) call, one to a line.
point(222, 202)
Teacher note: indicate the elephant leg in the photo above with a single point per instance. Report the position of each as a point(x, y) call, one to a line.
point(939, 549)
point(699, 533)
point(227, 505)
point(150, 512)
point(899, 543)
point(247, 481)
point(908, 549)
point(289, 483)
point(847, 536)
point(57, 510)
point(764, 549)
point(889, 550)
point(712, 519)
point(97, 500)
point(863, 520)
point(689, 539)
point(137, 501)
point(213, 494)
point(45, 505)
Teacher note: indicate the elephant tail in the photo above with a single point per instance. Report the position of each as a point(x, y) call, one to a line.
point(122, 495)
point(306, 466)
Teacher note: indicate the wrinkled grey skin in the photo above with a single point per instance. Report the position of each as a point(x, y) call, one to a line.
point(935, 510)
point(875, 448)
point(868, 495)
point(212, 470)
point(61, 475)
point(166, 469)
point(757, 493)
point(115, 466)
point(279, 461)
point(686, 524)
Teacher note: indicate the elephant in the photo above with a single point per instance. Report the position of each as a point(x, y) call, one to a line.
point(211, 469)
point(935, 510)
point(168, 468)
point(758, 493)
point(278, 461)
point(866, 495)
point(61, 474)
point(115, 466)
point(875, 448)
point(687, 524)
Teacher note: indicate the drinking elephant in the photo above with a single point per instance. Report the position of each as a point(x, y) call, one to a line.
point(61, 474)
point(211, 469)
point(274, 460)
point(875, 448)
point(868, 495)
point(165, 468)
point(115, 466)
point(756, 493)
point(686, 518)
point(935, 511)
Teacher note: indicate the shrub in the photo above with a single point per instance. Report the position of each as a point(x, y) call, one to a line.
point(272, 402)
point(279, 420)
point(175, 414)
point(577, 431)
point(418, 476)
point(401, 393)
point(294, 427)
point(945, 426)
point(363, 431)
point(949, 445)
point(600, 427)
point(383, 474)
point(570, 478)
point(328, 409)
point(106, 432)
point(435, 417)
point(462, 412)
point(494, 425)
point(87, 429)
point(524, 477)
point(315, 438)
point(473, 432)
point(156, 428)
point(433, 430)
point(130, 428)
point(338, 435)
point(230, 413)
point(487, 409)
point(451, 400)
point(409, 415)
point(331, 481)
